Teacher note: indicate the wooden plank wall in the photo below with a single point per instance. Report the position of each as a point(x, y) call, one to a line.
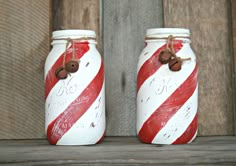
point(25, 36)
point(24, 45)
point(232, 6)
point(120, 20)
point(76, 14)
point(209, 25)
point(124, 27)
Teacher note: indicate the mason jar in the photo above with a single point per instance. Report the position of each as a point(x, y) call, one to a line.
point(74, 89)
point(167, 88)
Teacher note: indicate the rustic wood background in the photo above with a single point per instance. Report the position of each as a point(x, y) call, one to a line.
point(25, 30)
point(124, 27)
point(24, 45)
point(76, 14)
point(232, 8)
point(209, 25)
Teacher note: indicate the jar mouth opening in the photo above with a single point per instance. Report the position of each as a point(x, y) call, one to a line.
point(73, 33)
point(165, 32)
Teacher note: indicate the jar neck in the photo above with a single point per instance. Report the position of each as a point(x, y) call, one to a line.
point(165, 34)
point(151, 39)
point(73, 36)
point(71, 40)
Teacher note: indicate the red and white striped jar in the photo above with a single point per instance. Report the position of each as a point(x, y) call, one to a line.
point(75, 106)
point(167, 100)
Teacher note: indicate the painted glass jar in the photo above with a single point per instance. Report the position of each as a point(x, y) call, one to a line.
point(167, 88)
point(74, 89)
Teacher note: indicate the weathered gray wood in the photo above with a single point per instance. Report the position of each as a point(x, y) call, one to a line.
point(233, 31)
point(120, 151)
point(124, 26)
point(209, 25)
point(76, 14)
point(24, 45)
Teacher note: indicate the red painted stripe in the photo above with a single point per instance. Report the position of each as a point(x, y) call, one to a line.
point(151, 65)
point(100, 140)
point(51, 80)
point(172, 104)
point(188, 134)
point(57, 128)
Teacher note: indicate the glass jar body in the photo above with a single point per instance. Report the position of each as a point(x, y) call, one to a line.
point(74, 106)
point(167, 100)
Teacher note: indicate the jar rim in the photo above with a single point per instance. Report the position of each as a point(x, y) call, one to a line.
point(167, 31)
point(73, 32)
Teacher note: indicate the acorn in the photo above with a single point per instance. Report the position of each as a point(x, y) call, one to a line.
point(72, 66)
point(175, 64)
point(165, 56)
point(61, 73)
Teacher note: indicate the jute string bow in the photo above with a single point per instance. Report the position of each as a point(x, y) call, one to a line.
point(72, 41)
point(169, 55)
point(73, 65)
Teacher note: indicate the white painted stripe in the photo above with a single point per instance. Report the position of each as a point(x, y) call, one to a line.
point(158, 87)
point(90, 127)
point(147, 53)
point(53, 56)
point(66, 91)
point(179, 122)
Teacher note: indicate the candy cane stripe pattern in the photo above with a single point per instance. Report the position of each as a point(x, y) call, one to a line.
point(75, 106)
point(167, 100)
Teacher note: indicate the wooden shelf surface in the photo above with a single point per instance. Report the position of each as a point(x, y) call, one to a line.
point(120, 151)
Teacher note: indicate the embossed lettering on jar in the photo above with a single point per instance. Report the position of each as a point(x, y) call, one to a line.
point(167, 88)
point(74, 89)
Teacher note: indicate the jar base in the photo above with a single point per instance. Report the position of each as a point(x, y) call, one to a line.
point(74, 144)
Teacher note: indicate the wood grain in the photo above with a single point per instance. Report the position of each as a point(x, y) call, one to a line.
point(120, 151)
point(209, 25)
point(124, 27)
point(76, 14)
point(233, 24)
point(24, 43)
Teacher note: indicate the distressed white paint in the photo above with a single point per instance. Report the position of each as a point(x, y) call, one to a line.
point(69, 89)
point(179, 122)
point(159, 86)
point(90, 127)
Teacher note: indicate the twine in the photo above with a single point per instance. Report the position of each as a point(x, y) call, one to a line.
point(72, 41)
point(156, 38)
point(170, 41)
